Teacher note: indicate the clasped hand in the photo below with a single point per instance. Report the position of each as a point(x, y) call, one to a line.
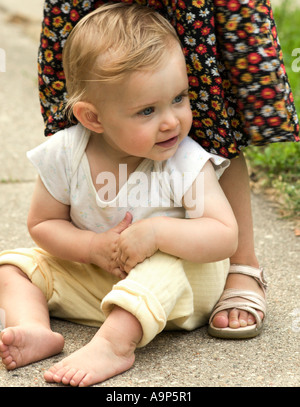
point(136, 243)
point(121, 248)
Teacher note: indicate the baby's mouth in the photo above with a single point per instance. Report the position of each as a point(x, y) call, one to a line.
point(168, 143)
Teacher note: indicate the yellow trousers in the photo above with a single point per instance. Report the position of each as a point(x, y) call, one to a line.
point(162, 292)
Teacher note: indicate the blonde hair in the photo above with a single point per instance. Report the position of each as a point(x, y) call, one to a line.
point(110, 42)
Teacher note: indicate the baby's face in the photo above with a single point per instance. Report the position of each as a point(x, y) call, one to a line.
point(148, 114)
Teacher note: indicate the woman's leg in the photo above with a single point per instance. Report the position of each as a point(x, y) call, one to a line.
point(235, 183)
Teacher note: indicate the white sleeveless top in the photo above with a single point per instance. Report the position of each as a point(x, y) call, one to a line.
point(156, 188)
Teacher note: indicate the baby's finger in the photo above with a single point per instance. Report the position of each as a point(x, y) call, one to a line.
point(119, 272)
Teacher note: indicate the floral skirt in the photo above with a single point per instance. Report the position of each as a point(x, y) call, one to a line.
point(239, 90)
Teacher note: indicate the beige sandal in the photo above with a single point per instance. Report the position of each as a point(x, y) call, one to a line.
point(254, 302)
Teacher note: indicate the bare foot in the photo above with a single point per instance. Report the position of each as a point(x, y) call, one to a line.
point(97, 361)
point(22, 345)
point(236, 318)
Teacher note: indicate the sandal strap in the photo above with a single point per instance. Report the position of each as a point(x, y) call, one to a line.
point(244, 294)
point(241, 306)
point(256, 273)
point(256, 303)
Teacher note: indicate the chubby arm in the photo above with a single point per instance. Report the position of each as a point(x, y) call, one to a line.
point(50, 226)
point(209, 235)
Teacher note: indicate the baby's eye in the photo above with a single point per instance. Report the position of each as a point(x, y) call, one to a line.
point(147, 111)
point(178, 99)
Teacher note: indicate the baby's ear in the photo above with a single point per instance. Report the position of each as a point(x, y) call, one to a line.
point(87, 115)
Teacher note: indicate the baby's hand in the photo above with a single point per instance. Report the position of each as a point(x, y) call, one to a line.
point(104, 251)
point(136, 243)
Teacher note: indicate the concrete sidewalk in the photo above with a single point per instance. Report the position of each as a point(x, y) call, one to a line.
point(30, 9)
point(175, 358)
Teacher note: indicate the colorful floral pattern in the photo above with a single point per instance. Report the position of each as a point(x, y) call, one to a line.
point(239, 90)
